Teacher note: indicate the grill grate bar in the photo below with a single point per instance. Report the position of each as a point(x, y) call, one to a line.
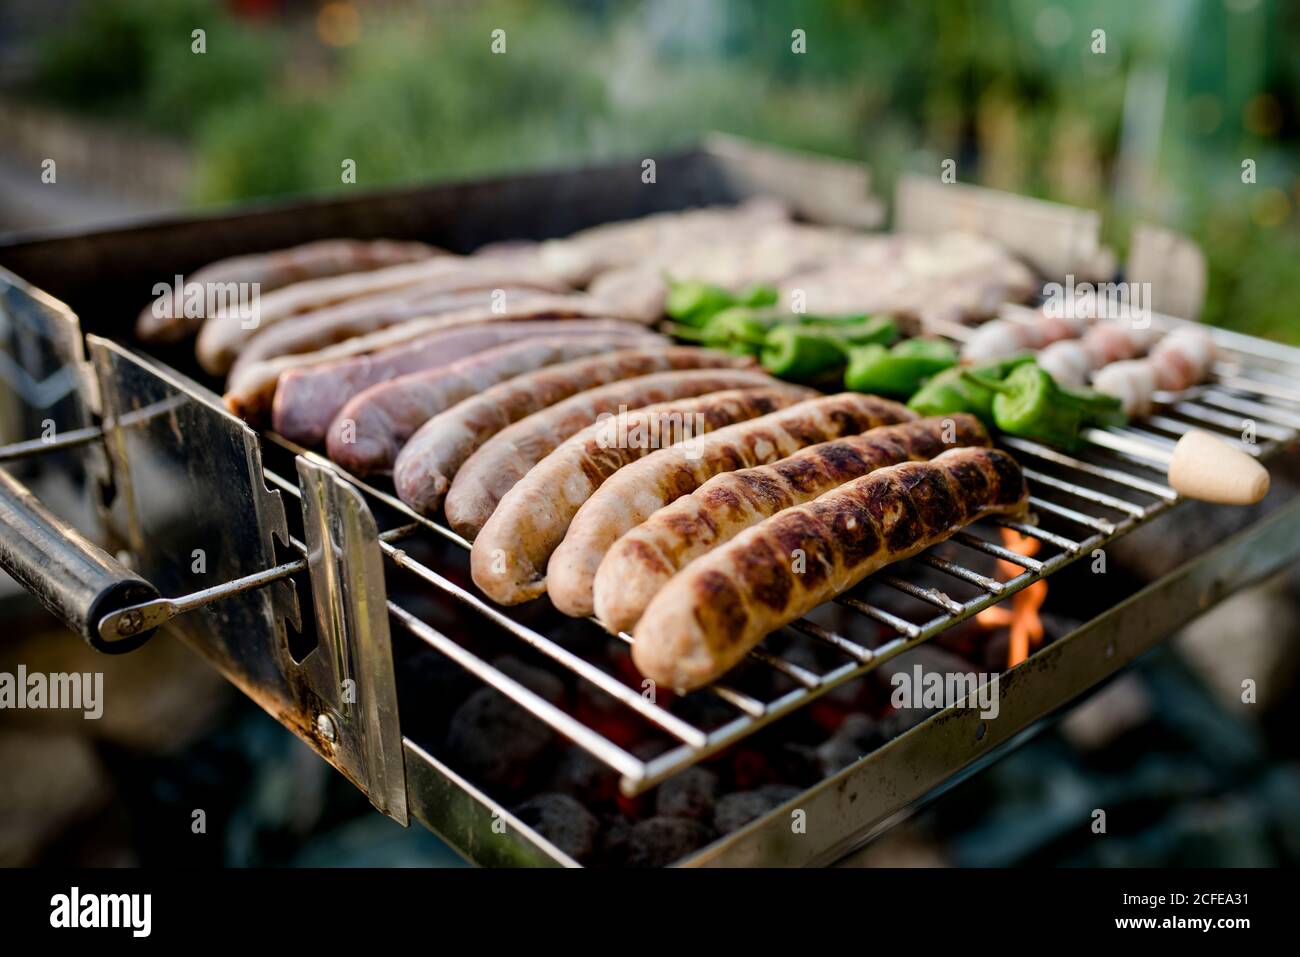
point(1033, 531)
point(1098, 471)
point(1087, 521)
point(929, 595)
point(1087, 494)
point(579, 666)
point(627, 764)
point(1231, 380)
point(998, 551)
point(900, 625)
point(1074, 475)
point(1132, 446)
point(1166, 424)
point(1253, 410)
point(832, 638)
point(1226, 422)
point(990, 585)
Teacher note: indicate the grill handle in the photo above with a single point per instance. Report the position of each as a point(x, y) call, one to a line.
point(71, 576)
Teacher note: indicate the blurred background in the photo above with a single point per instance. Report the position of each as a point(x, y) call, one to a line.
point(1152, 119)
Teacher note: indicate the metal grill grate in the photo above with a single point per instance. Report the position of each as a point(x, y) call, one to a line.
point(1079, 504)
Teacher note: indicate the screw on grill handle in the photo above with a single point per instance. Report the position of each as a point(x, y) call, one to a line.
point(71, 576)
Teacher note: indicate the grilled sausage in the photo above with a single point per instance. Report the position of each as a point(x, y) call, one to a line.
point(425, 467)
point(373, 425)
point(251, 383)
point(308, 333)
point(307, 398)
point(644, 487)
point(224, 337)
point(163, 322)
point(505, 458)
point(722, 604)
point(643, 560)
point(510, 552)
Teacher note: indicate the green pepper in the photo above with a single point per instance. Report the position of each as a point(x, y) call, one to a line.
point(737, 325)
point(952, 391)
point(794, 352)
point(758, 296)
point(1030, 404)
point(866, 330)
point(693, 302)
point(939, 350)
point(898, 371)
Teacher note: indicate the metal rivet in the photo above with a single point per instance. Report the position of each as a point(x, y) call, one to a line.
point(327, 728)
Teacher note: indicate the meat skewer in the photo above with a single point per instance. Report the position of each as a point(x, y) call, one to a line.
point(640, 563)
point(508, 560)
point(307, 398)
point(1000, 339)
point(634, 493)
point(1071, 361)
point(1179, 361)
point(723, 603)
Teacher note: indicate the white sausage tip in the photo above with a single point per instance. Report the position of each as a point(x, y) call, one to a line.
point(1206, 468)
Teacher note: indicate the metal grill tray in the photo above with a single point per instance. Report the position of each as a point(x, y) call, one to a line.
point(104, 275)
point(1079, 503)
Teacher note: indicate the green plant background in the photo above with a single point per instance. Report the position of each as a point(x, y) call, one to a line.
point(1011, 89)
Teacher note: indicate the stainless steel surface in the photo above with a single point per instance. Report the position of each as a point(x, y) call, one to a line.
point(186, 477)
point(131, 620)
point(73, 577)
point(470, 820)
point(1082, 501)
point(351, 669)
point(843, 811)
point(190, 503)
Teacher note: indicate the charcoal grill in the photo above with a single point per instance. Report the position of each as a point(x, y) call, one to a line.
point(300, 606)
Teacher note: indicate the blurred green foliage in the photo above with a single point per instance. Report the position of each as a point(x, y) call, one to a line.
point(1155, 128)
point(132, 60)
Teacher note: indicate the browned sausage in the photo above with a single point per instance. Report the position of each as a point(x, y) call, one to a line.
point(252, 380)
point(644, 487)
point(431, 458)
point(510, 552)
point(224, 337)
point(165, 319)
point(308, 398)
point(722, 604)
point(373, 425)
point(643, 560)
point(491, 471)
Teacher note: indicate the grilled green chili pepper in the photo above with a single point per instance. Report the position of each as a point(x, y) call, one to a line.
point(738, 325)
point(693, 302)
point(794, 352)
point(939, 350)
point(860, 331)
point(898, 371)
point(952, 391)
point(1030, 404)
point(742, 328)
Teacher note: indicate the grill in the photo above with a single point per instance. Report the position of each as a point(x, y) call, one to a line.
point(150, 444)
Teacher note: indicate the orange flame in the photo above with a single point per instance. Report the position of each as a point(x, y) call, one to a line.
point(1022, 618)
